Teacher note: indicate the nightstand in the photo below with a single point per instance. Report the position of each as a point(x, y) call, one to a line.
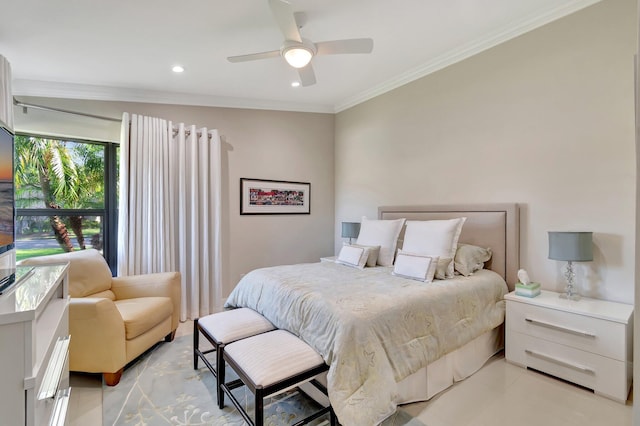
point(328, 259)
point(587, 342)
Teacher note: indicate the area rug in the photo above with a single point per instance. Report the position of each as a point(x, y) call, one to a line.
point(162, 388)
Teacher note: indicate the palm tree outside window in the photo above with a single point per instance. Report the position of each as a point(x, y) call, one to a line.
point(66, 196)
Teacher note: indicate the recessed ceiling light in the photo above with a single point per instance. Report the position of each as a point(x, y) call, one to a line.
point(295, 84)
point(177, 68)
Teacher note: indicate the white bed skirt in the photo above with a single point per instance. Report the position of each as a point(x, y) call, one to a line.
point(440, 374)
point(451, 368)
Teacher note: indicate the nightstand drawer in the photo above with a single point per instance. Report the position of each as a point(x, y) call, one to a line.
point(605, 375)
point(595, 335)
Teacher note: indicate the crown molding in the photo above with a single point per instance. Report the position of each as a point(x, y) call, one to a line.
point(465, 51)
point(36, 88)
point(48, 89)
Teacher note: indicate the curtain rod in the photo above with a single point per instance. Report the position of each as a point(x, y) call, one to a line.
point(83, 114)
point(65, 111)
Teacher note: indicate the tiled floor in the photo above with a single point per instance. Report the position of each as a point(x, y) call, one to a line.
point(85, 406)
point(499, 394)
point(504, 394)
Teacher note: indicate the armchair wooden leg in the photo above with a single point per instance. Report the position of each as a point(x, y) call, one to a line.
point(112, 379)
point(169, 337)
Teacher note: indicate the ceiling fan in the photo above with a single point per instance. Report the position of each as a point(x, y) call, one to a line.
point(298, 51)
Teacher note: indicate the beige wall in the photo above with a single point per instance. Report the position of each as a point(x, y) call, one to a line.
point(545, 120)
point(256, 144)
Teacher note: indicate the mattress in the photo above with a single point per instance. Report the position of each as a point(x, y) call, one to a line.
point(372, 328)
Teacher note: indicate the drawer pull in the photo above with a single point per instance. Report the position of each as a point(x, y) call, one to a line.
point(560, 362)
point(55, 369)
point(560, 328)
point(60, 407)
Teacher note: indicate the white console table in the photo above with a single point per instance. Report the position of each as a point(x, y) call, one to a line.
point(34, 342)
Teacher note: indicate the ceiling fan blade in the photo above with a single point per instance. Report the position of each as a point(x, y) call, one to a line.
point(254, 56)
point(283, 13)
point(307, 76)
point(354, 45)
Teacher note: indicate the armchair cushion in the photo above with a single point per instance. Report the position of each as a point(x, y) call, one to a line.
point(151, 285)
point(143, 313)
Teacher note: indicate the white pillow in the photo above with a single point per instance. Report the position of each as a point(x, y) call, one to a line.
point(374, 252)
point(383, 233)
point(415, 266)
point(434, 238)
point(353, 256)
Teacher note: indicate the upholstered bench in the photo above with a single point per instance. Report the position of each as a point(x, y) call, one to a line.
point(221, 329)
point(269, 363)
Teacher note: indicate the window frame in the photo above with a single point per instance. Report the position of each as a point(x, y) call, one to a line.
point(109, 212)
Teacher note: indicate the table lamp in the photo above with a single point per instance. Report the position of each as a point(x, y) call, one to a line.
point(570, 247)
point(350, 230)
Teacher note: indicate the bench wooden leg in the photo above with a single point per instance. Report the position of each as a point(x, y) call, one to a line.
point(112, 379)
point(259, 408)
point(220, 374)
point(196, 342)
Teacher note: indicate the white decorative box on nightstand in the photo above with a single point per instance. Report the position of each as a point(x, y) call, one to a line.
point(587, 342)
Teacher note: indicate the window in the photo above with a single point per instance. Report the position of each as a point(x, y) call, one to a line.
point(66, 196)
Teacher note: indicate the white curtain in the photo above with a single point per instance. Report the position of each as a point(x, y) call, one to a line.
point(169, 209)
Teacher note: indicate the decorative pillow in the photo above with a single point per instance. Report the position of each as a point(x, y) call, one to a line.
point(441, 269)
point(434, 238)
point(415, 266)
point(470, 258)
point(383, 233)
point(353, 256)
point(374, 252)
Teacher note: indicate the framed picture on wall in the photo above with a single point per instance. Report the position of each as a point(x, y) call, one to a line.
point(260, 196)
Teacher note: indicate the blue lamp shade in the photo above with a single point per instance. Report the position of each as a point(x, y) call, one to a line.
point(571, 246)
point(350, 229)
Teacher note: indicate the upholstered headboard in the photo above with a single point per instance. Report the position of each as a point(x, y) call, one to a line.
point(488, 225)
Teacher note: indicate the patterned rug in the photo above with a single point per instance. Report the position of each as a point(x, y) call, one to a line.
point(162, 388)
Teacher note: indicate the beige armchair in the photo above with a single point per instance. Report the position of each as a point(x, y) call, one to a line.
point(114, 320)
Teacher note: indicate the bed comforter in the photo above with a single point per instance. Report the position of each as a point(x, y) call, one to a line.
point(372, 328)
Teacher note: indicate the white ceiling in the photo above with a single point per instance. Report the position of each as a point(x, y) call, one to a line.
point(124, 50)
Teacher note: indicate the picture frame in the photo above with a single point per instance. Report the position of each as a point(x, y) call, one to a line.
point(262, 196)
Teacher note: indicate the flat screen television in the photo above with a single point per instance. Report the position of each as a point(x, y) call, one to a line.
point(7, 206)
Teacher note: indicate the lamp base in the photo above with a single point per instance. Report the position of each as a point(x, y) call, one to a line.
point(569, 296)
point(569, 292)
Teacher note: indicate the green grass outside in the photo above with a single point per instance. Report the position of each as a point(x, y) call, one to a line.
point(24, 254)
point(35, 252)
point(87, 232)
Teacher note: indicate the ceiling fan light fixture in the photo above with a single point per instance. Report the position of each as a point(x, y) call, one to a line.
point(298, 56)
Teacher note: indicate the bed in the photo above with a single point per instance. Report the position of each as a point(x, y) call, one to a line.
point(385, 340)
